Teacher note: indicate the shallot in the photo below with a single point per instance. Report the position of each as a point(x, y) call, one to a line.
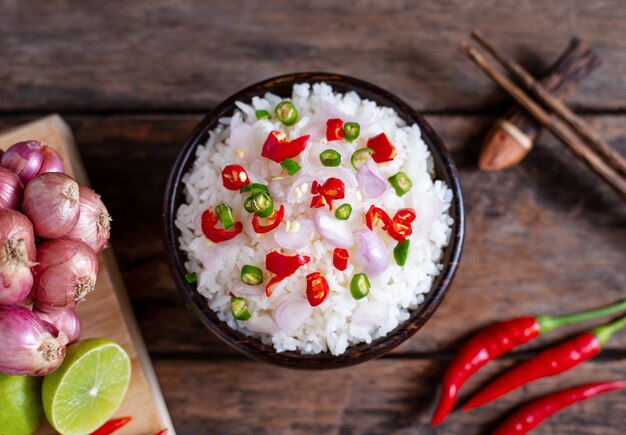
point(11, 189)
point(297, 236)
point(66, 321)
point(371, 314)
point(292, 312)
point(30, 346)
point(335, 232)
point(17, 255)
point(66, 273)
point(51, 201)
point(371, 181)
point(31, 158)
point(427, 211)
point(371, 253)
point(94, 222)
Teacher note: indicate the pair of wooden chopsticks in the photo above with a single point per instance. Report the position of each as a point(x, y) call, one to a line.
point(553, 114)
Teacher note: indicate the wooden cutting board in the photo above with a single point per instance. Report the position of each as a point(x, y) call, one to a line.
point(107, 311)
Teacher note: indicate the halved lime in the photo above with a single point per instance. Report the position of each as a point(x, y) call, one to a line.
point(88, 388)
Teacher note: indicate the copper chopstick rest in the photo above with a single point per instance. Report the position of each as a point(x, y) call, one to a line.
point(572, 131)
point(512, 136)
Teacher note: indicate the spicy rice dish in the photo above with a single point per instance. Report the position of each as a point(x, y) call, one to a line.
point(313, 222)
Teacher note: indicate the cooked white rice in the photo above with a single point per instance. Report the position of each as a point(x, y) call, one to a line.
point(340, 321)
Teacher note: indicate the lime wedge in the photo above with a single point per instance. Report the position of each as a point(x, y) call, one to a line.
point(20, 404)
point(87, 389)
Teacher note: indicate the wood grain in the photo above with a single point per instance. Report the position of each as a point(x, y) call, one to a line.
point(149, 55)
point(107, 312)
point(379, 397)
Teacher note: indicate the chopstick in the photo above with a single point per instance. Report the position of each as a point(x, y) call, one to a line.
point(600, 163)
point(582, 128)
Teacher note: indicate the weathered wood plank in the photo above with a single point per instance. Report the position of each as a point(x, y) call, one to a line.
point(160, 55)
point(544, 237)
point(380, 397)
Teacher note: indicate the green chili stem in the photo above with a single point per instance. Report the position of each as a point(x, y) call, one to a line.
point(604, 332)
point(547, 323)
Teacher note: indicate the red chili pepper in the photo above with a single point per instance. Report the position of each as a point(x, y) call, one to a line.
point(316, 288)
point(112, 425)
point(234, 177)
point(283, 266)
point(400, 227)
point(498, 339)
point(340, 258)
point(273, 221)
point(217, 235)
point(405, 215)
point(318, 201)
point(334, 129)
point(332, 189)
point(550, 362)
point(162, 432)
point(532, 414)
point(384, 150)
point(376, 215)
point(277, 148)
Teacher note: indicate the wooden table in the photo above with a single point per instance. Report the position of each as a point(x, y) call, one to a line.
point(133, 78)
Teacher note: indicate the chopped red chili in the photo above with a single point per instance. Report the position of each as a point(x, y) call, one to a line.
point(272, 222)
point(400, 227)
point(283, 266)
point(217, 235)
point(318, 201)
point(234, 177)
point(316, 288)
point(340, 258)
point(277, 148)
point(333, 188)
point(334, 129)
point(376, 215)
point(384, 150)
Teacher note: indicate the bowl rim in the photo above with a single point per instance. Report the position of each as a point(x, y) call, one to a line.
point(355, 354)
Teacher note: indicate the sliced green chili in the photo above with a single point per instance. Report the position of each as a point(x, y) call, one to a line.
point(191, 277)
point(263, 114)
point(359, 286)
point(330, 158)
point(248, 205)
point(401, 183)
point(254, 188)
point(239, 308)
point(359, 156)
point(401, 252)
point(291, 166)
point(343, 212)
point(251, 275)
point(225, 215)
point(351, 131)
point(286, 113)
point(262, 204)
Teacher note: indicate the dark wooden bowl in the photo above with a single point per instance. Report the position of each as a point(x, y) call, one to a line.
point(444, 168)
